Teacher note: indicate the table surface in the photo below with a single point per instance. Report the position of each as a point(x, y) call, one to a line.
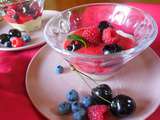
point(14, 102)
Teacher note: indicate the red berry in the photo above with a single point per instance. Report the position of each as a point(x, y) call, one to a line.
point(16, 42)
point(110, 36)
point(97, 112)
point(91, 34)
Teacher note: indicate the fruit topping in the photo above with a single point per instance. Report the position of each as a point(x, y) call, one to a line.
point(103, 25)
point(75, 106)
point(86, 101)
point(4, 38)
point(14, 33)
point(110, 36)
point(102, 94)
point(122, 106)
point(80, 115)
point(97, 112)
point(59, 69)
point(22, 11)
point(64, 107)
point(92, 34)
point(72, 95)
point(17, 42)
point(112, 48)
point(98, 40)
point(26, 37)
point(26, 8)
point(14, 38)
point(8, 44)
point(15, 16)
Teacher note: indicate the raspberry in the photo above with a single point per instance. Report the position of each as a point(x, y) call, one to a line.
point(91, 34)
point(97, 112)
point(110, 36)
point(16, 42)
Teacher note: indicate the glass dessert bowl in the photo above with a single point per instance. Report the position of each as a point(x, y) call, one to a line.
point(24, 15)
point(98, 39)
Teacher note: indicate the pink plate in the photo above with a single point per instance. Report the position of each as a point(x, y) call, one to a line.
point(139, 79)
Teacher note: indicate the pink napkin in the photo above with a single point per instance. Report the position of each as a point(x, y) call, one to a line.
point(14, 102)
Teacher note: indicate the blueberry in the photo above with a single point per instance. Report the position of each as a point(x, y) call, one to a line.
point(102, 94)
point(112, 48)
point(4, 38)
point(86, 101)
point(75, 106)
point(122, 106)
point(80, 115)
point(8, 44)
point(64, 108)
point(26, 37)
point(14, 33)
point(59, 69)
point(103, 25)
point(72, 95)
point(75, 45)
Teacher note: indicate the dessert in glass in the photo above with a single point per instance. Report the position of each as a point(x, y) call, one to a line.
point(98, 39)
point(24, 15)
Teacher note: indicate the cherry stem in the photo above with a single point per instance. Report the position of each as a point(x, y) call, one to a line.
point(84, 80)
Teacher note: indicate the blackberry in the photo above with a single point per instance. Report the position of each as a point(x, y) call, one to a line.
point(112, 48)
point(103, 25)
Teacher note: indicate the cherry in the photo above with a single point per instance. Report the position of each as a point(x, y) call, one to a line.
point(102, 94)
point(122, 106)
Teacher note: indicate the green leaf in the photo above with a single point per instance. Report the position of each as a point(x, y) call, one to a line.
point(77, 38)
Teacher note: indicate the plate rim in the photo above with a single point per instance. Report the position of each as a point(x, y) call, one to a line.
point(47, 46)
point(36, 44)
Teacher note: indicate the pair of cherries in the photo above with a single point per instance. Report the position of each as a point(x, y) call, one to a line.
point(120, 105)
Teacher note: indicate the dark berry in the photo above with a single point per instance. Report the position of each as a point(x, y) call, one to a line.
point(4, 38)
point(15, 16)
point(86, 101)
point(103, 25)
point(122, 106)
point(8, 44)
point(112, 48)
point(26, 9)
point(72, 95)
point(14, 33)
point(70, 48)
point(26, 37)
point(64, 108)
point(75, 45)
point(102, 94)
point(80, 115)
point(59, 69)
point(76, 106)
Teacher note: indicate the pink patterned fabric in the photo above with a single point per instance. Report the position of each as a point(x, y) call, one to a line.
point(14, 102)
